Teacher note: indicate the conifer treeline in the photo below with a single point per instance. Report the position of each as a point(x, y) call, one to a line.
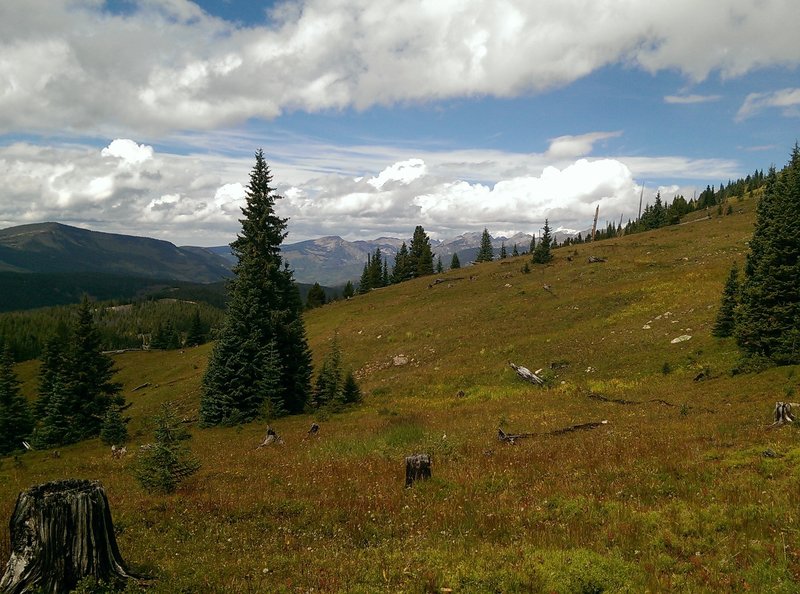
point(159, 324)
point(410, 262)
point(76, 390)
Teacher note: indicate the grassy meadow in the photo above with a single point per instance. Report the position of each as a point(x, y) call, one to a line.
point(684, 489)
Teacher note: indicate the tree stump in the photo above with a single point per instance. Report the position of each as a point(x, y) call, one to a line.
point(783, 413)
point(61, 532)
point(418, 467)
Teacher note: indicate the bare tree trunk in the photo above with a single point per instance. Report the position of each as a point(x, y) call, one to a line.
point(61, 532)
point(418, 467)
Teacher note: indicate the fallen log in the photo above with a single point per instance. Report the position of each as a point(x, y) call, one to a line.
point(144, 385)
point(418, 467)
point(511, 438)
point(580, 427)
point(595, 259)
point(527, 374)
point(61, 532)
point(600, 397)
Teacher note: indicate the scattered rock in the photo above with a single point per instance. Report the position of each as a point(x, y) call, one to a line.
point(400, 360)
point(681, 338)
point(646, 327)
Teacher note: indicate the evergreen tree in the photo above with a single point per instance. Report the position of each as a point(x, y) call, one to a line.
point(503, 253)
point(162, 465)
point(52, 366)
point(365, 282)
point(726, 321)
point(515, 252)
point(316, 297)
point(485, 252)
point(533, 244)
point(264, 318)
point(196, 334)
point(349, 290)
point(16, 422)
point(330, 383)
point(59, 424)
point(165, 337)
point(541, 253)
point(114, 430)
point(76, 385)
point(420, 255)
point(455, 262)
point(88, 374)
point(351, 393)
point(439, 266)
point(385, 275)
point(768, 320)
point(402, 265)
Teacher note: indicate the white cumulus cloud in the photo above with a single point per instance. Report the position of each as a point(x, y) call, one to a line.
point(168, 66)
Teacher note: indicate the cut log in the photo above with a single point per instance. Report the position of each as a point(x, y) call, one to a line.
point(595, 259)
point(418, 467)
point(527, 374)
point(783, 413)
point(61, 532)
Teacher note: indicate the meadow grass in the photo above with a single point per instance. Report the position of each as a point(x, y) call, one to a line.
point(695, 497)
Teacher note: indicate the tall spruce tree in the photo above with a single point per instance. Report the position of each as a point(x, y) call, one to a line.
point(402, 265)
point(455, 262)
point(768, 320)
point(541, 253)
point(485, 252)
point(726, 321)
point(503, 252)
point(16, 422)
point(348, 290)
point(89, 374)
point(420, 255)
point(261, 355)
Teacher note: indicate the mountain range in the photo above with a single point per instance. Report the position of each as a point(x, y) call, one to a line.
point(332, 261)
point(55, 248)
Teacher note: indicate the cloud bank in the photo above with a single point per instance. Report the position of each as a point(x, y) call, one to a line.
point(164, 66)
point(127, 187)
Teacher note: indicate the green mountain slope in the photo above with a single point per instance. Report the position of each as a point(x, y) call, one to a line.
point(57, 248)
point(683, 489)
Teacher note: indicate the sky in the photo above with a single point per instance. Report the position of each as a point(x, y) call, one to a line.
point(142, 117)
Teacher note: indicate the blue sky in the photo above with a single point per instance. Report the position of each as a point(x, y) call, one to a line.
point(142, 116)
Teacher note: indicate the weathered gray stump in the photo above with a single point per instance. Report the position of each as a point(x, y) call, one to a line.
point(61, 532)
point(418, 467)
point(783, 413)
